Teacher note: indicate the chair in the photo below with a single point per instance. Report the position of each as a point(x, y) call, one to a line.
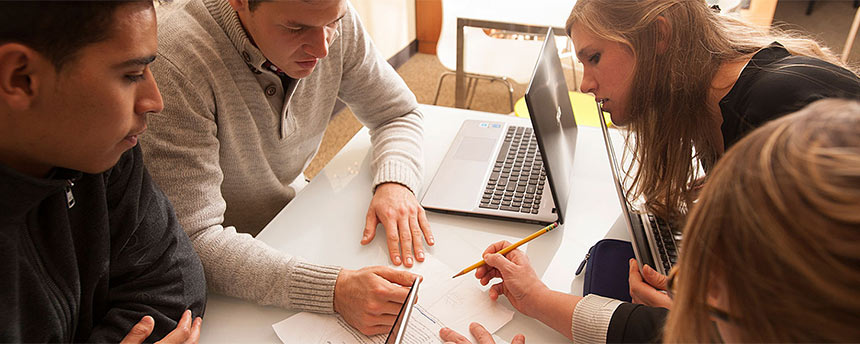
point(485, 57)
point(584, 110)
point(852, 33)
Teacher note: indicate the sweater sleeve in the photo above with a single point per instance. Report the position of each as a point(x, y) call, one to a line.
point(381, 100)
point(153, 268)
point(182, 150)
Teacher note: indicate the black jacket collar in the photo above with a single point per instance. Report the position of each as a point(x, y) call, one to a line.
point(19, 192)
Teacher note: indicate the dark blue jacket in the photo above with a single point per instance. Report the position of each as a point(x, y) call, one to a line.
point(89, 272)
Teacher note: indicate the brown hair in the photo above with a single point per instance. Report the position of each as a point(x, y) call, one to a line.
point(253, 4)
point(778, 224)
point(670, 122)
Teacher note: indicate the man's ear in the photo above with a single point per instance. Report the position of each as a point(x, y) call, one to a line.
point(238, 5)
point(664, 34)
point(21, 70)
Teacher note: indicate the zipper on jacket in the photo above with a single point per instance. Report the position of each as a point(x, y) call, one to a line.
point(70, 197)
point(53, 289)
point(582, 265)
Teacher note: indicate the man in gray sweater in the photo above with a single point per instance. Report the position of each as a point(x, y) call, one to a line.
point(248, 90)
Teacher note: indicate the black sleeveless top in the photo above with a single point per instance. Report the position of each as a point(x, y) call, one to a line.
point(776, 83)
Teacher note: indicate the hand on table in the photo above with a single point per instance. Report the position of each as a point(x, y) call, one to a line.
point(186, 331)
point(479, 332)
point(370, 298)
point(650, 290)
point(396, 207)
point(520, 284)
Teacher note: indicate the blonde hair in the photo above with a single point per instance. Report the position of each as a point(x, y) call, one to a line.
point(778, 223)
point(670, 87)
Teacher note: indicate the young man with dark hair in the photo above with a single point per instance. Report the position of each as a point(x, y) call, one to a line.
point(90, 249)
point(249, 89)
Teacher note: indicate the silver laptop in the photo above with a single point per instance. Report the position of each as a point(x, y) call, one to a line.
point(521, 173)
point(655, 242)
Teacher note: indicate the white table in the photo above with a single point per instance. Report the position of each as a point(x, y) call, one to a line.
point(324, 224)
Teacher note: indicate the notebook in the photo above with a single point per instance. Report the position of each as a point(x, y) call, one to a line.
point(521, 173)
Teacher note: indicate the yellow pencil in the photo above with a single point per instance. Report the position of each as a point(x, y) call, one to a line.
point(510, 248)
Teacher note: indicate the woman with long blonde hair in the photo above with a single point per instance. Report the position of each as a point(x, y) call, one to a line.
point(772, 249)
point(689, 82)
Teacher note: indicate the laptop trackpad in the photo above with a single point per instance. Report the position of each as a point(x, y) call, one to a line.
point(475, 148)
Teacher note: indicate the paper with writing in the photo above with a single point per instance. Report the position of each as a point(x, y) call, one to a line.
point(442, 302)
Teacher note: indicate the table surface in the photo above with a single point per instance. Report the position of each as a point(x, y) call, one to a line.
point(324, 224)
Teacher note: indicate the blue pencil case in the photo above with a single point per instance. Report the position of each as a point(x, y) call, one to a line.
point(606, 269)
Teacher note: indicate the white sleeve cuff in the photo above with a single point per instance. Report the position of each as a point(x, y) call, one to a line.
point(591, 319)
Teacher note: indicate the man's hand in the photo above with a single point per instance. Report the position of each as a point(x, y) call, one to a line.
point(369, 299)
point(479, 332)
point(404, 220)
point(520, 284)
point(185, 332)
point(650, 291)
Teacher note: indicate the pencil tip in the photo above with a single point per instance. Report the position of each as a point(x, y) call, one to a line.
point(457, 275)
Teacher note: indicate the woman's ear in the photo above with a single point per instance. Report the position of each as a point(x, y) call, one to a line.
point(664, 34)
point(716, 295)
point(19, 75)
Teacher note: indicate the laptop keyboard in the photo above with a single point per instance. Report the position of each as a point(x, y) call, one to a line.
point(668, 241)
point(518, 178)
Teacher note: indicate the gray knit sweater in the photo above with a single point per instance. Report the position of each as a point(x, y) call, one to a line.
point(231, 143)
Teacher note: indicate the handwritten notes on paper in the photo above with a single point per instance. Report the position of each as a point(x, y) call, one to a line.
point(442, 302)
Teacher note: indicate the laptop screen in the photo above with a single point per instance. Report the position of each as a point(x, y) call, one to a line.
point(552, 119)
point(634, 226)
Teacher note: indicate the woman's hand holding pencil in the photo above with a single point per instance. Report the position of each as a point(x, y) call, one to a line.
point(520, 284)
point(510, 247)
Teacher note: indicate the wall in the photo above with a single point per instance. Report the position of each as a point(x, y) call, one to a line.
point(391, 23)
point(428, 24)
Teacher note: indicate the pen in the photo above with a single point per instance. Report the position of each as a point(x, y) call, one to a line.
point(510, 248)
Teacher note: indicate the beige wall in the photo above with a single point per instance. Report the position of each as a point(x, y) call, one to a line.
point(391, 23)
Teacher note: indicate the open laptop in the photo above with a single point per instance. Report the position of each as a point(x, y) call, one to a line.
point(655, 242)
point(502, 171)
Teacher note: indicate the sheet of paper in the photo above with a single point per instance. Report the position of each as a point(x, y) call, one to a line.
point(442, 302)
